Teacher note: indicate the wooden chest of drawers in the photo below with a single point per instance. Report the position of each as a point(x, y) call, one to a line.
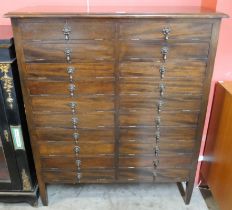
point(114, 98)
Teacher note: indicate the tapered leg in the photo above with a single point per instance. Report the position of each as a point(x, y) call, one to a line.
point(186, 193)
point(43, 193)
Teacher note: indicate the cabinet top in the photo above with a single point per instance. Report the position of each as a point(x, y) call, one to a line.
point(116, 12)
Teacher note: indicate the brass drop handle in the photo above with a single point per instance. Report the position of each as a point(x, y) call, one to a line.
point(72, 88)
point(156, 163)
point(73, 106)
point(158, 121)
point(157, 137)
point(162, 71)
point(76, 136)
point(68, 53)
point(159, 106)
point(77, 149)
point(156, 150)
point(162, 88)
point(66, 30)
point(75, 122)
point(70, 71)
point(164, 52)
point(166, 32)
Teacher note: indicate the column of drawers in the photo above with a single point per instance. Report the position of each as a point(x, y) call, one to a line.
point(162, 67)
point(69, 74)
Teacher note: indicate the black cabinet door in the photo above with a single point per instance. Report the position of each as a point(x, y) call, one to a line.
point(9, 174)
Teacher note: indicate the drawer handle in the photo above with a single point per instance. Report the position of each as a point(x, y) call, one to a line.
point(76, 136)
point(78, 162)
point(77, 149)
point(70, 71)
point(157, 137)
point(68, 53)
point(164, 52)
point(155, 163)
point(162, 71)
point(159, 106)
point(156, 151)
point(162, 88)
point(166, 32)
point(72, 88)
point(158, 121)
point(79, 176)
point(73, 106)
point(75, 122)
point(66, 31)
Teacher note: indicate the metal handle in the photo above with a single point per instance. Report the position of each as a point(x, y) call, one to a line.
point(77, 149)
point(155, 163)
point(159, 106)
point(68, 53)
point(76, 136)
point(166, 31)
point(156, 150)
point(79, 176)
point(70, 71)
point(164, 52)
point(66, 30)
point(72, 88)
point(75, 122)
point(6, 135)
point(162, 71)
point(158, 121)
point(157, 137)
point(78, 162)
point(73, 106)
point(162, 88)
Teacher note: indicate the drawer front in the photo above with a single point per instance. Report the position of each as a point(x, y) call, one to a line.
point(84, 120)
point(147, 134)
point(62, 104)
point(80, 52)
point(144, 118)
point(62, 134)
point(67, 148)
point(147, 175)
point(60, 71)
point(131, 102)
point(142, 50)
point(165, 161)
point(149, 86)
point(130, 148)
point(194, 70)
point(153, 30)
point(69, 163)
point(100, 86)
point(87, 176)
point(52, 29)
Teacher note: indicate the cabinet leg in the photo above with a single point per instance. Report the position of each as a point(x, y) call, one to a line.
point(186, 193)
point(43, 193)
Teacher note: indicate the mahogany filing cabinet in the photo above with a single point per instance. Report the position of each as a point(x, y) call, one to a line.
point(115, 97)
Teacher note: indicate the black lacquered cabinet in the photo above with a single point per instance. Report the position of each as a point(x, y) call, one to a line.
point(17, 174)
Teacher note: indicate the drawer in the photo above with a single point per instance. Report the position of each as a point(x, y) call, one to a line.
point(100, 86)
point(165, 161)
point(82, 104)
point(85, 120)
point(152, 51)
point(67, 148)
point(147, 175)
point(69, 163)
point(147, 134)
point(80, 51)
point(143, 102)
point(87, 176)
point(151, 86)
point(194, 70)
point(130, 148)
point(52, 29)
point(153, 30)
point(144, 118)
point(60, 71)
point(63, 134)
